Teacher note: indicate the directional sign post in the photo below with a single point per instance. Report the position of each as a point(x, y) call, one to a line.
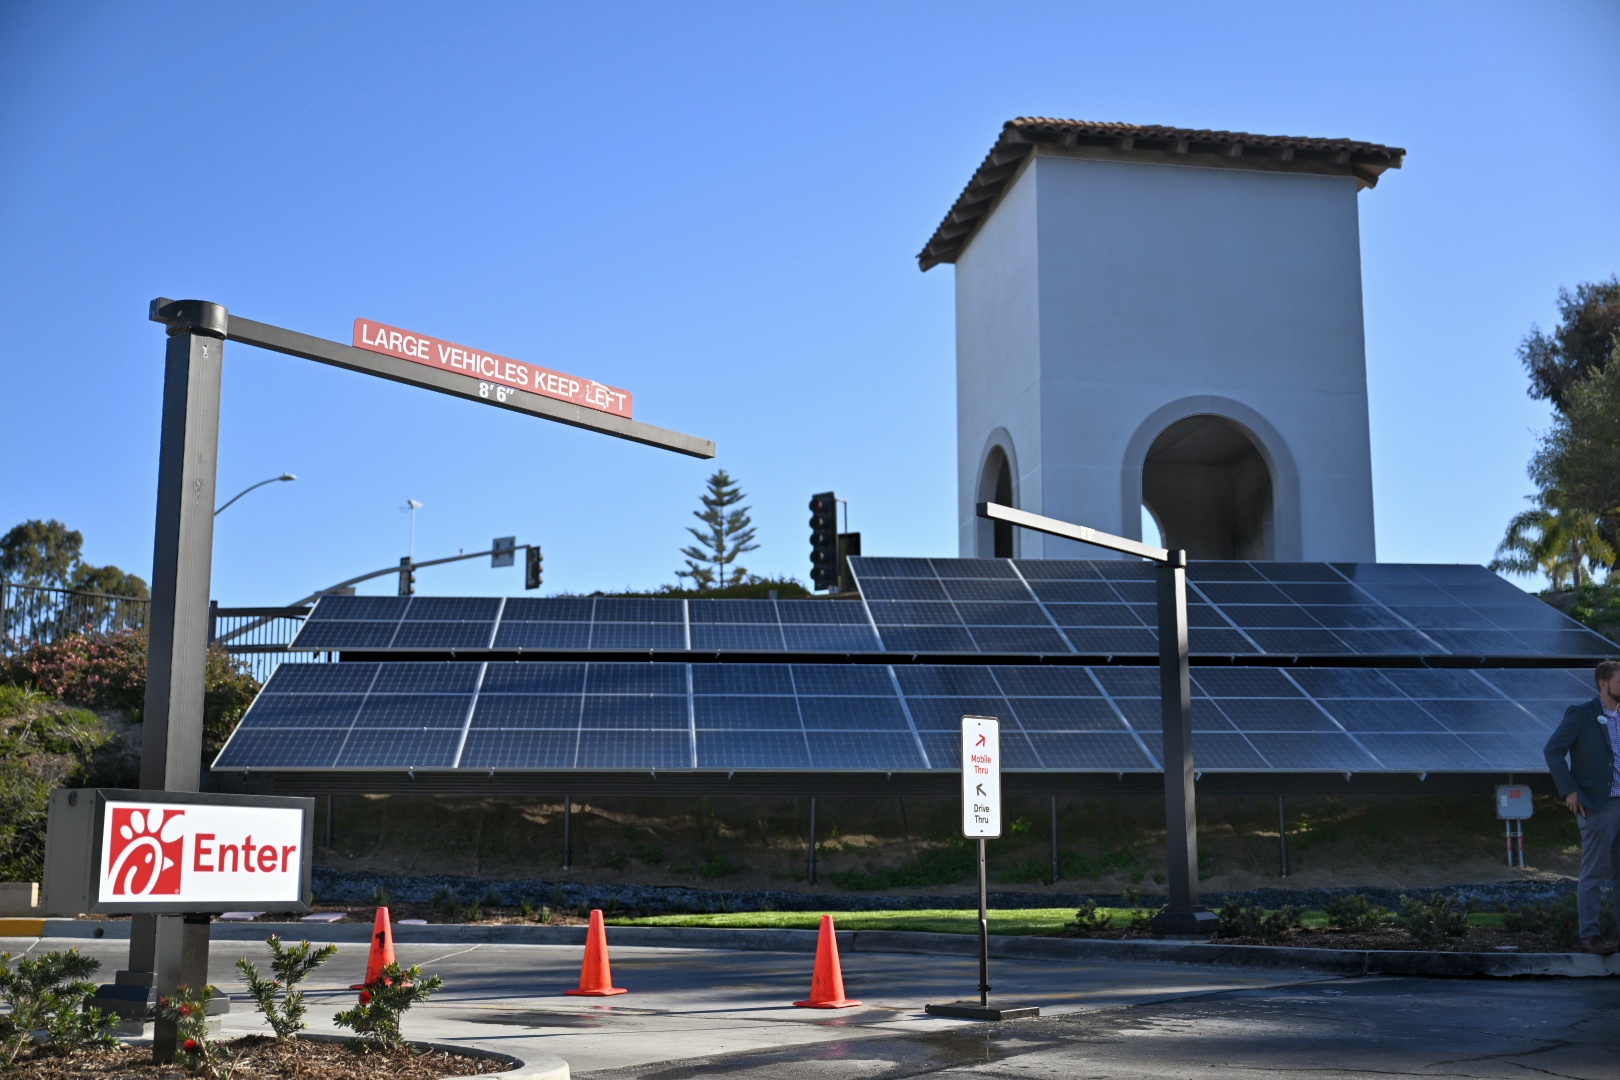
point(168, 950)
point(981, 821)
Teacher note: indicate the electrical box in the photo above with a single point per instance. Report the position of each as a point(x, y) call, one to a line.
point(1513, 802)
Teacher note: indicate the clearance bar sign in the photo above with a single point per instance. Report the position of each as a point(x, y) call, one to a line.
point(494, 373)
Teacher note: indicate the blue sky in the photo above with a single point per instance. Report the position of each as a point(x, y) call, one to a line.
point(717, 207)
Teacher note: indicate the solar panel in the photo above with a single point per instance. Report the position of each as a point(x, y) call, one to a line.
point(558, 715)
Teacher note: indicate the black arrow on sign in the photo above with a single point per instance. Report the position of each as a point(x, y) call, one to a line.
point(980, 788)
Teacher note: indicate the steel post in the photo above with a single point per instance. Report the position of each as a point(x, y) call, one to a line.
point(568, 832)
point(812, 871)
point(178, 626)
point(1183, 916)
point(1282, 834)
point(984, 933)
point(1055, 867)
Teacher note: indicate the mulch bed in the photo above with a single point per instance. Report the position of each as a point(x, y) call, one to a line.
point(258, 1057)
point(1478, 939)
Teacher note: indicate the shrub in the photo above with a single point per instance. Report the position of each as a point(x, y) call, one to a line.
point(108, 671)
point(48, 993)
point(289, 966)
point(187, 1009)
point(1242, 917)
point(381, 896)
point(1559, 921)
point(1356, 914)
point(1090, 918)
point(392, 993)
point(651, 853)
point(43, 745)
point(712, 865)
point(614, 859)
point(1433, 921)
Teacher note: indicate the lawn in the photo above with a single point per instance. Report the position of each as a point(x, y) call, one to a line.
point(939, 920)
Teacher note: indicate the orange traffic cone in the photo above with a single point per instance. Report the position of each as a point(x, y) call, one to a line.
point(827, 984)
point(382, 953)
point(595, 976)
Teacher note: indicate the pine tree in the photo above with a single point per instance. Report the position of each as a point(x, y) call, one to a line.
point(727, 533)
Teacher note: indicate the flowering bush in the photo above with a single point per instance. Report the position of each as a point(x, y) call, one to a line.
point(187, 1010)
point(108, 671)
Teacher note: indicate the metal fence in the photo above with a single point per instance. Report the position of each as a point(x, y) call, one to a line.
point(37, 615)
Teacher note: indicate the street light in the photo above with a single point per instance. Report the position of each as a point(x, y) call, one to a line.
point(260, 484)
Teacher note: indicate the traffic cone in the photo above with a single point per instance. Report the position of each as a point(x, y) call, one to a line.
point(382, 953)
point(827, 984)
point(595, 976)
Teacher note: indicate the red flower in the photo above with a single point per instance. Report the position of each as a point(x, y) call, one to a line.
point(185, 1010)
point(191, 1045)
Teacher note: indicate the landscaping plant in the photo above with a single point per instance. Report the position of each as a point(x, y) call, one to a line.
point(1433, 921)
point(1356, 914)
point(1242, 917)
point(47, 993)
point(1090, 918)
point(187, 1009)
point(289, 966)
point(392, 993)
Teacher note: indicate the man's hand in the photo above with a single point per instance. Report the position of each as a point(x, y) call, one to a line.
point(1573, 801)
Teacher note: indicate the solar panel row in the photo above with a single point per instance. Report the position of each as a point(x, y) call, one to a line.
point(634, 716)
point(1006, 607)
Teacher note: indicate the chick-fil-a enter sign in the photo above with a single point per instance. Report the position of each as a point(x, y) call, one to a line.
point(489, 368)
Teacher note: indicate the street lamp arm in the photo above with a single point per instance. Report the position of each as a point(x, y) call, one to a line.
point(1054, 527)
point(251, 487)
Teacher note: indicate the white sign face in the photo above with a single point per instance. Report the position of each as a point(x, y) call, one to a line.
point(981, 777)
point(1513, 802)
point(168, 852)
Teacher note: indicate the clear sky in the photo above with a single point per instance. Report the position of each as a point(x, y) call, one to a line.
point(718, 207)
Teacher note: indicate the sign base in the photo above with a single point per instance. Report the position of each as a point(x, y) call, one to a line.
point(972, 1010)
point(1196, 924)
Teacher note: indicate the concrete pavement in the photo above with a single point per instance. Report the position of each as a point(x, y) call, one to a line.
point(690, 1003)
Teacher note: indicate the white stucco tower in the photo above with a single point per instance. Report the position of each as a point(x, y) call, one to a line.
point(1157, 317)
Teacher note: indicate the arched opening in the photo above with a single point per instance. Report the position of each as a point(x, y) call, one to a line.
point(996, 485)
point(1208, 487)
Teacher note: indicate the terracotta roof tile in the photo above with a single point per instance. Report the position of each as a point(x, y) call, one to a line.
point(1019, 138)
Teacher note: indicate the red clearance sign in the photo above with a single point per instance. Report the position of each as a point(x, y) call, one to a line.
point(488, 368)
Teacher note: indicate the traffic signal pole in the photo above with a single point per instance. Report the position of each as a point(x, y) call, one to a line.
point(1183, 916)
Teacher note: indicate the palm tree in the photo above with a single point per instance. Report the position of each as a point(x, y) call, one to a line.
point(1555, 540)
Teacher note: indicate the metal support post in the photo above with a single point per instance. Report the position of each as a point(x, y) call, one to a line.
point(1282, 834)
point(329, 799)
point(1055, 870)
point(178, 628)
point(1183, 915)
point(811, 876)
point(984, 934)
point(568, 832)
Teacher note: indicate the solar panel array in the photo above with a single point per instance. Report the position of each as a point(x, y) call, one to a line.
point(1006, 607)
point(585, 624)
point(546, 715)
point(1108, 608)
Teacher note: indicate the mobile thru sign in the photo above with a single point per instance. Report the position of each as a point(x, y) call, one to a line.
point(981, 777)
point(498, 372)
point(111, 851)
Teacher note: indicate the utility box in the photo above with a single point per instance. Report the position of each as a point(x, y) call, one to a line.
point(1513, 802)
point(118, 852)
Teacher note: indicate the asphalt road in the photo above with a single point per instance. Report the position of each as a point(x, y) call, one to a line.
point(715, 1013)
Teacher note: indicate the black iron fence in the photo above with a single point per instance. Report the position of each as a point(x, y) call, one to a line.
point(37, 614)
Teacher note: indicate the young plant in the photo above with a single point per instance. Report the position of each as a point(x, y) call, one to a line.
point(1433, 921)
point(289, 966)
point(187, 1009)
point(47, 993)
point(1090, 918)
point(1241, 917)
point(392, 993)
point(1356, 913)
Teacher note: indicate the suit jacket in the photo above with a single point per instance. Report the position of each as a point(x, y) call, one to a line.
point(1584, 738)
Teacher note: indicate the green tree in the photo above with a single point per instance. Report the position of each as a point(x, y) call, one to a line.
point(1580, 455)
point(1581, 345)
point(49, 553)
point(1566, 545)
point(727, 533)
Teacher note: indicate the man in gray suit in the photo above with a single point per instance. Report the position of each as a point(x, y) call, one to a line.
point(1583, 756)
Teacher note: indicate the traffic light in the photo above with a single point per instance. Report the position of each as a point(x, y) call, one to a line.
point(407, 577)
point(531, 567)
point(824, 540)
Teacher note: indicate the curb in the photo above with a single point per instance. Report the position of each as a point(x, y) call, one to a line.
point(1455, 965)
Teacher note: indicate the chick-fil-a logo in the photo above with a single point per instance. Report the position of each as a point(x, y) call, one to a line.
point(146, 851)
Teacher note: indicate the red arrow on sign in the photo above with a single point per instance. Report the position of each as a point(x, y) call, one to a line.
point(980, 742)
